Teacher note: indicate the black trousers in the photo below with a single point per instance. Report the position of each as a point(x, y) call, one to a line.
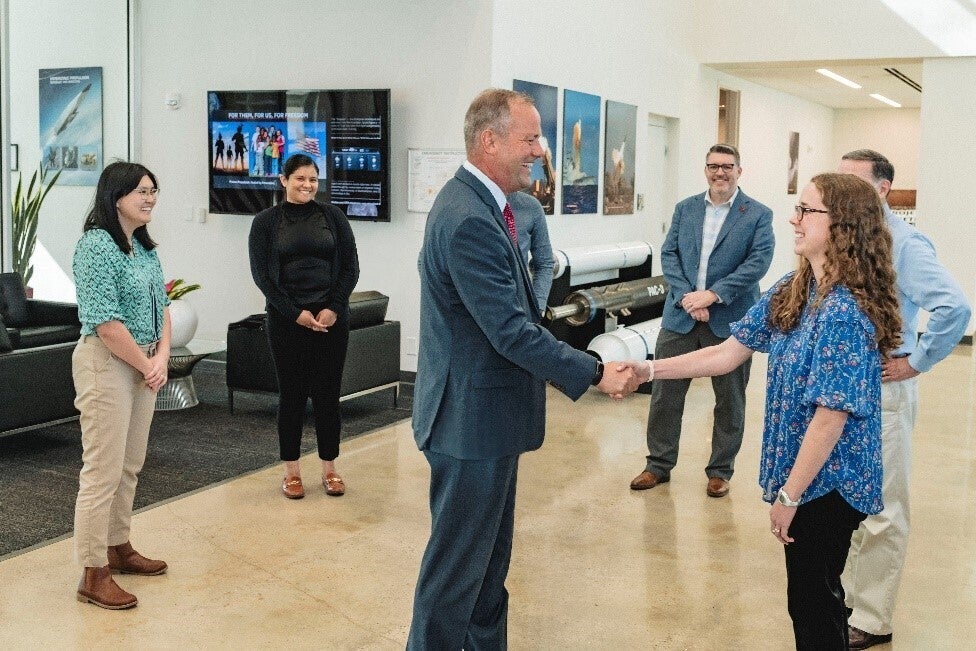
point(308, 365)
point(821, 530)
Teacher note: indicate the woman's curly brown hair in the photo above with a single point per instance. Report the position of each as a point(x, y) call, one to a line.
point(858, 257)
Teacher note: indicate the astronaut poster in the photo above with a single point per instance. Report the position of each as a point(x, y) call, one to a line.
point(70, 119)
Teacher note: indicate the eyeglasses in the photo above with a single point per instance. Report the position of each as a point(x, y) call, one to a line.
point(801, 212)
point(725, 167)
point(146, 192)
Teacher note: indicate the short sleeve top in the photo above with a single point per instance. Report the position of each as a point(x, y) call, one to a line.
point(114, 286)
point(829, 359)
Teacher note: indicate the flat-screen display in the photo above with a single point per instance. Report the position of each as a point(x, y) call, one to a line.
point(346, 132)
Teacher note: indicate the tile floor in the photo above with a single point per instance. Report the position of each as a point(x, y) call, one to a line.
point(595, 566)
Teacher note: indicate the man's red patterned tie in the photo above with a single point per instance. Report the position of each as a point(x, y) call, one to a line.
point(510, 222)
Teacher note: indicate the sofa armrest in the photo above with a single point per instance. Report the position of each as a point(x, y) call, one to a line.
point(367, 309)
point(52, 313)
point(372, 358)
point(36, 386)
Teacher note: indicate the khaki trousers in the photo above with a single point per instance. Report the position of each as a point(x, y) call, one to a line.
point(116, 411)
point(879, 546)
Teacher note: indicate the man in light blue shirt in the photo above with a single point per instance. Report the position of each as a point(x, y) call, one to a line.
point(878, 547)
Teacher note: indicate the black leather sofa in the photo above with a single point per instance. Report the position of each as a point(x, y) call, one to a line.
point(372, 358)
point(36, 342)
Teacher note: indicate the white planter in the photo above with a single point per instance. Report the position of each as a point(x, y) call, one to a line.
point(183, 322)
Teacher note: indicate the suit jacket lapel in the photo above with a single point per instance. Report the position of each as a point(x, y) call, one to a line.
point(485, 195)
point(697, 227)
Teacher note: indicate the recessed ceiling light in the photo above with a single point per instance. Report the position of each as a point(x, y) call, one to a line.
point(837, 78)
point(885, 100)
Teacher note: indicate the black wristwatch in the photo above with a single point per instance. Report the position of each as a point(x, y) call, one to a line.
point(598, 377)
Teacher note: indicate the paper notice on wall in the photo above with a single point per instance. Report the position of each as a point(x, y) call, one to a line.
point(428, 170)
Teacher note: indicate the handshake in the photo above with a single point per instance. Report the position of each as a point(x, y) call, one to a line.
point(623, 378)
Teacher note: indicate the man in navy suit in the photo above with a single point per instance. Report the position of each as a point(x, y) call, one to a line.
point(719, 246)
point(480, 395)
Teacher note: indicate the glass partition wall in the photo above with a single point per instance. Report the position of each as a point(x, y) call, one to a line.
point(66, 102)
point(6, 249)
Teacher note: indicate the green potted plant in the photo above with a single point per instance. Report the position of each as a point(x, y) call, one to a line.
point(25, 212)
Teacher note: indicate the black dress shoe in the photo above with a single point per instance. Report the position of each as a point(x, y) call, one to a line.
point(858, 639)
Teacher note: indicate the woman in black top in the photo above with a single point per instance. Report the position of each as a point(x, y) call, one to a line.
point(304, 261)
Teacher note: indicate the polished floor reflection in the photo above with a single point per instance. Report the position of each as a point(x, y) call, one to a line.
point(596, 565)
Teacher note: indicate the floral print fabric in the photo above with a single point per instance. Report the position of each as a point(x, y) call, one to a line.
point(829, 359)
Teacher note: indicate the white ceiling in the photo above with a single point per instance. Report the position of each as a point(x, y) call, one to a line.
point(802, 79)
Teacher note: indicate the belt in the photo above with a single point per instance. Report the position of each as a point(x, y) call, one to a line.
point(149, 349)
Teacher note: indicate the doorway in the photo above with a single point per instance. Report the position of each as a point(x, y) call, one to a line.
point(662, 138)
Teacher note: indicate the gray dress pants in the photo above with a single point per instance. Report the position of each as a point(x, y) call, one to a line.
point(668, 405)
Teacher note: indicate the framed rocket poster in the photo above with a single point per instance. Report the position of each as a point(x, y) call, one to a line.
point(581, 152)
point(70, 121)
point(543, 175)
point(618, 159)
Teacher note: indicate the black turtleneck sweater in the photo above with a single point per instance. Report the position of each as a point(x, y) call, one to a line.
point(303, 255)
point(305, 248)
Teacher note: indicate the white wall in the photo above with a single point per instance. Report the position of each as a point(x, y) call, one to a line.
point(948, 143)
point(54, 34)
point(732, 31)
point(436, 60)
point(640, 53)
point(893, 132)
point(766, 119)
point(433, 55)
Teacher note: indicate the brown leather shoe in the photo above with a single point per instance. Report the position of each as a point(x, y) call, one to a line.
point(647, 480)
point(292, 488)
point(128, 561)
point(334, 485)
point(717, 487)
point(98, 587)
point(858, 639)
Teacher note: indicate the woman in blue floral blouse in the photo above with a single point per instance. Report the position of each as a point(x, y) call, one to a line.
point(826, 328)
point(118, 366)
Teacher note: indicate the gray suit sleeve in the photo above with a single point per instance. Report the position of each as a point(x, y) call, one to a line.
point(479, 261)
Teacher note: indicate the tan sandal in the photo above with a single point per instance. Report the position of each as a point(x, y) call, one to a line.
point(334, 485)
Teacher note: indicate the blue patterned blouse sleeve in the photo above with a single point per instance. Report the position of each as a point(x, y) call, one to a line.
point(841, 368)
point(95, 272)
point(752, 330)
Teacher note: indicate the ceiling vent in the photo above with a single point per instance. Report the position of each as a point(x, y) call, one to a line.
point(908, 81)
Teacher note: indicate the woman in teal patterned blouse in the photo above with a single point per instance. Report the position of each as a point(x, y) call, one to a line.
point(826, 328)
point(119, 365)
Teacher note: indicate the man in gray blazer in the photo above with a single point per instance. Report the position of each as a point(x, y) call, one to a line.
point(480, 395)
point(719, 246)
